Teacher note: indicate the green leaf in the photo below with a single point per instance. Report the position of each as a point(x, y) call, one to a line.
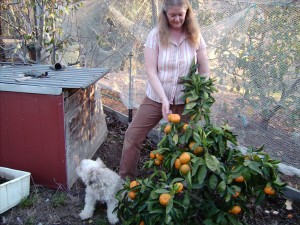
point(141, 208)
point(228, 197)
point(212, 162)
point(236, 188)
point(193, 97)
point(279, 183)
point(268, 164)
point(188, 134)
point(195, 166)
point(177, 179)
point(186, 199)
point(190, 105)
point(197, 138)
point(246, 162)
point(229, 154)
point(208, 222)
point(156, 211)
point(221, 186)
point(189, 179)
point(217, 130)
point(255, 166)
point(202, 174)
point(233, 219)
point(150, 163)
point(205, 95)
point(169, 206)
point(181, 139)
point(175, 139)
point(237, 170)
point(162, 141)
point(173, 160)
point(246, 173)
point(213, 211)
point(213, 181)
point(260, 198)
point(163, 175)
point(161, 191)
point(221, 145)
point(221, 219)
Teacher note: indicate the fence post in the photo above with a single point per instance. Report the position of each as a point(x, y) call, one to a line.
point(130, 88)
point(154, 12)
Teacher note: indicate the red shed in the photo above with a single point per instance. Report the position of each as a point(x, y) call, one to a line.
point(49, 123)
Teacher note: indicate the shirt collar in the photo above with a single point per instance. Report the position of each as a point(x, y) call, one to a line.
point(182, 38)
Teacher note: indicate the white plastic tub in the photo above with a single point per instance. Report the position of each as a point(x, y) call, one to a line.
point(15, 189)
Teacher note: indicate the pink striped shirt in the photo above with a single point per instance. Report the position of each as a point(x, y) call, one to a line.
point(174, 61)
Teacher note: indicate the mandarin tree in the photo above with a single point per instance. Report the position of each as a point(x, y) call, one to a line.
point(218, 181)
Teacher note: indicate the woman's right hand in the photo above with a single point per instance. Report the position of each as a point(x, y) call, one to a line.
point(165, 109)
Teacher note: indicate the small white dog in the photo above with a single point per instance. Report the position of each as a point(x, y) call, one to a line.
point(102, 184)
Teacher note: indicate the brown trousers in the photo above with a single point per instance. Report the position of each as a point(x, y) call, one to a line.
point(148, 115)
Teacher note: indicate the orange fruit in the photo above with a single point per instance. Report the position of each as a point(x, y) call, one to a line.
point(236, 194)
point(198, 150)
point(142, 222)
point(179, 186)
point(167, 129)
point(187, 100)
point(133, 184)
point(174, 118)
point(132, 195)
point(239, 179)
point(185, 158)
point(235, 210)
point(185, 126)
point(164, 198)
point(269, 190)
point(185, 168)
point(177, 163)
point(159, 157)
point(169, 117)
point(157, 162)
point(191, 144)
point(152, 155)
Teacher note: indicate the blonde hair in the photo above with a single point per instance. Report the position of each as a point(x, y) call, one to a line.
point(190, 26)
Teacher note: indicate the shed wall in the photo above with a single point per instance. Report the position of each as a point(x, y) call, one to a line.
point(85, 127)
point(32, 136)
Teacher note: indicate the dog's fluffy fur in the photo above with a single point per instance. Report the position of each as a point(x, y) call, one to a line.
point(102, 184)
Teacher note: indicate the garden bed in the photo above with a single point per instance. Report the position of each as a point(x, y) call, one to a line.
point(61, 206)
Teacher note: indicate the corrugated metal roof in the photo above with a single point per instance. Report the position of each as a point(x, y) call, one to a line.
point(12, 78)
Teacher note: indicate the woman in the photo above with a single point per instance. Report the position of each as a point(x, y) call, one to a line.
point(169, 52)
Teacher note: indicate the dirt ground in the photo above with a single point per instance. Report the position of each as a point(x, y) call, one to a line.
point(46, 206)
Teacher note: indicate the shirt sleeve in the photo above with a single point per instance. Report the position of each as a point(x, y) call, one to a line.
point(152, 39)
point(202, 45)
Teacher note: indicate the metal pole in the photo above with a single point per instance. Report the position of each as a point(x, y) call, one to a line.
point(154, 12)
point(130, 89)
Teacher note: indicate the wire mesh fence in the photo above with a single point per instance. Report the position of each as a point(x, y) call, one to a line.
point(253, 49)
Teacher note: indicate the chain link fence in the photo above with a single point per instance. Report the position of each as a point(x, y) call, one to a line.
point(253, 49)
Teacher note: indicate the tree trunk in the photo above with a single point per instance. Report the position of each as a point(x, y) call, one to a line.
point(2, 53)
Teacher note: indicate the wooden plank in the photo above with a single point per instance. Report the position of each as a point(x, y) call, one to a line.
point(83, 143)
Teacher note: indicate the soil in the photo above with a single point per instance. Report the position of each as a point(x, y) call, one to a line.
point(61, 206)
